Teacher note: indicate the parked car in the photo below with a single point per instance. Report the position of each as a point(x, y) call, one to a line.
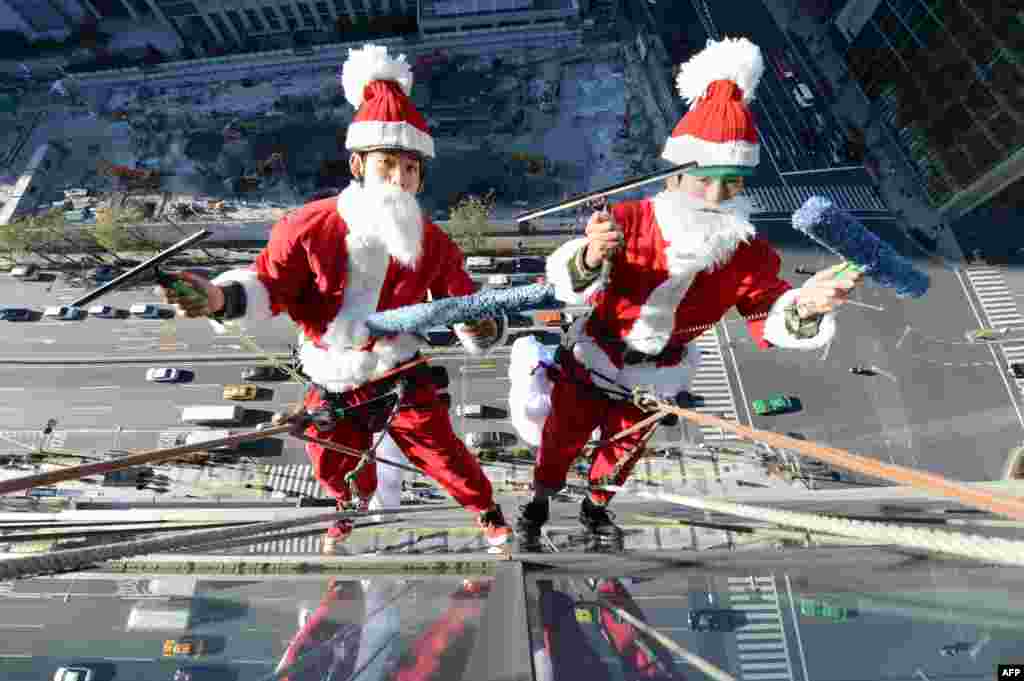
point(803, 96)
point(800, 269)
point(519, 321)
point(774, 404)
point(530, 265)
point(478, 263)
point(105, 273)
point(105, 312)
point(862, 371)
point(470, 410)
point(16, 314)
point(73, 674)
point(162, 375)
point(243, 392)
point(146, 311)
point(499, 280)
point(25, 272)
point(714, 620)
point(490, 440)
point(440, 336)
point(951, 649)
point(64, 313)
point(265, 374)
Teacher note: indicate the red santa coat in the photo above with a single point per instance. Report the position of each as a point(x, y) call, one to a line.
point(666, 287)
point(328, 277)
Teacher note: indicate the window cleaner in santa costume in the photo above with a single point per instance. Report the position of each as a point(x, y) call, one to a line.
point(657, 273)
point(333, 262)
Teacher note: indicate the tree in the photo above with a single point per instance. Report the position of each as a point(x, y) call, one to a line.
point(33, 234)
point(469, 221)
point(117, 229)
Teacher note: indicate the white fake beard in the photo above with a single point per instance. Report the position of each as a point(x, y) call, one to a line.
point(692, 225)
point(390, 216)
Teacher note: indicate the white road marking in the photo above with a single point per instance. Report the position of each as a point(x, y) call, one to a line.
point(22, 626)
point(10, 389)
point(93, 408)
point(130, 659)
point(99, 387)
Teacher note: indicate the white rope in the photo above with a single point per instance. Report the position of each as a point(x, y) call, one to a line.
point(985, 549)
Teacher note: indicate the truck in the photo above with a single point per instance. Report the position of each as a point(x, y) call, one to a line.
point(214, 415)
point(199, 436)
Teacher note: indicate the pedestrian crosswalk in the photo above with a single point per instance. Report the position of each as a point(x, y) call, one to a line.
point(782, 199)
point(6, 587)
point(294, 479)
point(712, 384)
point(130, 588)
point(761, 641)
point(289, 543)
point(999, 308)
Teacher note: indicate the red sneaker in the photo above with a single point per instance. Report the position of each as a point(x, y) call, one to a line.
point(494, 527)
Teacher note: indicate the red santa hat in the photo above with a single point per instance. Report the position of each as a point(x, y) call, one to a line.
point(378, 86)
point(718, 131)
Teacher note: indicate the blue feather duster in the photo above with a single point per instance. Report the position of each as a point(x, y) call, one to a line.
point(486, 304)
point(841, 233)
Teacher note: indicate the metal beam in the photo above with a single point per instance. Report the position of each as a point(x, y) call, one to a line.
point(502, 649)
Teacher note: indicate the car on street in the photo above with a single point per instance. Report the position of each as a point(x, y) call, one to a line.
point(242, 392)
point(499, 280)
point(773, 404)
point(200, 436)
point(490, 440)
point(1017, 369)
point(265, 374)
point(470, 410)
point(146, 311)
point(162, 375)
point(862, 371)
point(783, 67)
point(16, 314)
point(985, 334)
point(479, 263)
point(440, 336)
point(105, 273)
point(803, 96)
point(800, 269)
point(73, 674)
point(713, 620)
point(25, 272)
point(951, 649)
point(184, 646)
point(64, 313)
point(526, 265)
point(105, 312)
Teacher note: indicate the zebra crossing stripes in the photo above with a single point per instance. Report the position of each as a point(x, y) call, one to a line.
point(711, 382)
point(783, 199)
point(997, 301)
point(294, 479)
point(6, 587)
point(311, 543)
point(999, 307)
point(129, 589)
point(761, 642)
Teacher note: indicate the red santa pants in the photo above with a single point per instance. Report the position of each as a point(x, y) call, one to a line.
point(423, 432)
point(576, 410)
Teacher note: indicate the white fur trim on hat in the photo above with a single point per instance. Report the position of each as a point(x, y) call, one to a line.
point(389, 134)
point(776, 333)
point(370, 63)
point(735, 59)
point(686, 148)
point(557, 272)
point(257, 297)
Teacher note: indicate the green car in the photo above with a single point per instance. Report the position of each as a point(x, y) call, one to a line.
point(775, 404)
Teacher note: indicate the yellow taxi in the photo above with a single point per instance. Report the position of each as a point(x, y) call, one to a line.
point(186, 646)
point(242, 392)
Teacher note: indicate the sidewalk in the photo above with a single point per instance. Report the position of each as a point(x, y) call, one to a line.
point(896, 181)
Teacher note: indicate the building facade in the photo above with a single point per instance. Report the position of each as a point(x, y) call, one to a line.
point(38, 19)
point(948, 77)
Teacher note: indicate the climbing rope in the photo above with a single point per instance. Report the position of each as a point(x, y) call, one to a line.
point(73, 560)
point(985, 549)
point(929, 482)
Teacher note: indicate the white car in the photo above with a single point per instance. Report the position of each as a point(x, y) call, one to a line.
point(499, 280)
point(73, 674)
point(103, 312)
point(162, 375)
point(803, 96)
point(145, 310)
point(470, 410)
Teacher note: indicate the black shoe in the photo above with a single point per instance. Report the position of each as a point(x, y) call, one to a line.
point(598, 520)
point(532, 517)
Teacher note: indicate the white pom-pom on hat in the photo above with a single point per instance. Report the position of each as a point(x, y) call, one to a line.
point(370, 63)
point(734, 59)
